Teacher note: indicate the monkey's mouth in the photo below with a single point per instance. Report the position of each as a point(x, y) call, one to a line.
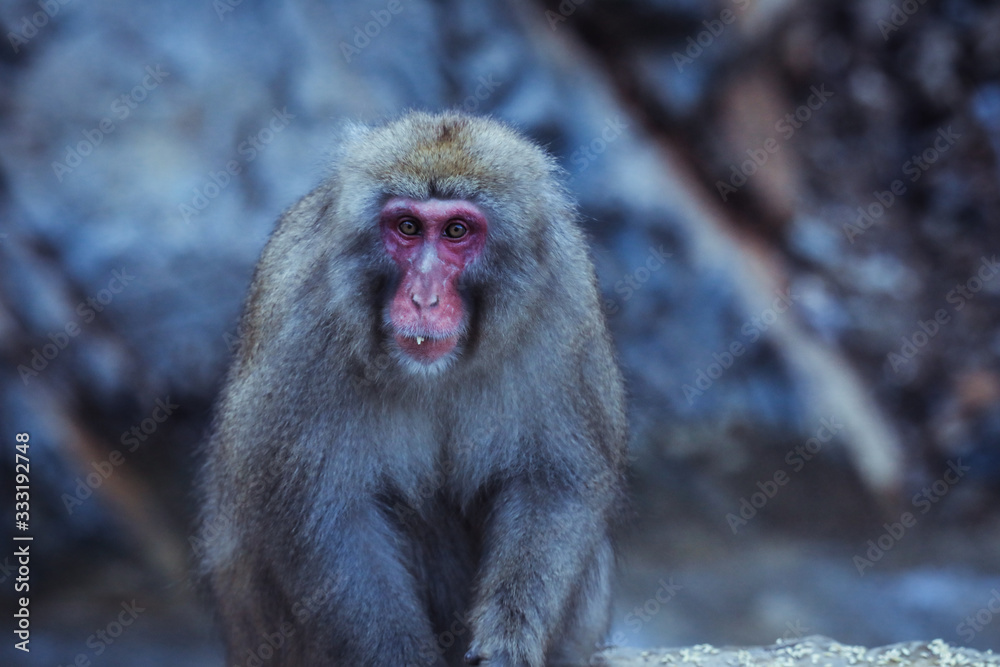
point(426, 348)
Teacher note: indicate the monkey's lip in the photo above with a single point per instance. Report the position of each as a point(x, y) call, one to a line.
point(426, 348)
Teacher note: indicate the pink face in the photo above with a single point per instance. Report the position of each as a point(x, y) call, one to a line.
point(432, 242)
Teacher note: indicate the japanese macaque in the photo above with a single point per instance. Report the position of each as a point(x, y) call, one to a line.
point(419, 453)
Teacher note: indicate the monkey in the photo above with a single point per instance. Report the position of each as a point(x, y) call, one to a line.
point(418, 454)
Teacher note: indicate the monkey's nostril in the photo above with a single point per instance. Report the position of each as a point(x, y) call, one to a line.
point(424, 302)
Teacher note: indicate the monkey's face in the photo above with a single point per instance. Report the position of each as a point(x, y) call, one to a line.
point(432, 242)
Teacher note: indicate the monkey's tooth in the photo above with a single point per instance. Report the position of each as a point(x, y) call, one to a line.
point(420, 339)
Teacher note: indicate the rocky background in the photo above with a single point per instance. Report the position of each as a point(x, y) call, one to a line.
point(793, 210)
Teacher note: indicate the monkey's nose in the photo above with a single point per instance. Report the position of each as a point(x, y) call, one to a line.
point(425, 300)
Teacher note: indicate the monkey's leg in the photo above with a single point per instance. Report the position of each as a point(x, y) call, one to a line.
point(446, 554)
point(540, 538)
point(363, 605)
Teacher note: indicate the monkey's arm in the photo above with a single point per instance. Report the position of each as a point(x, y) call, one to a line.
point(542, 539)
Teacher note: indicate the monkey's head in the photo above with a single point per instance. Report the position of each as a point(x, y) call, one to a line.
point(460, 220)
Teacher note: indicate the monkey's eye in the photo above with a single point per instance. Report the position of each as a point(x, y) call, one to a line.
point(455, 230)
point(408, 228)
